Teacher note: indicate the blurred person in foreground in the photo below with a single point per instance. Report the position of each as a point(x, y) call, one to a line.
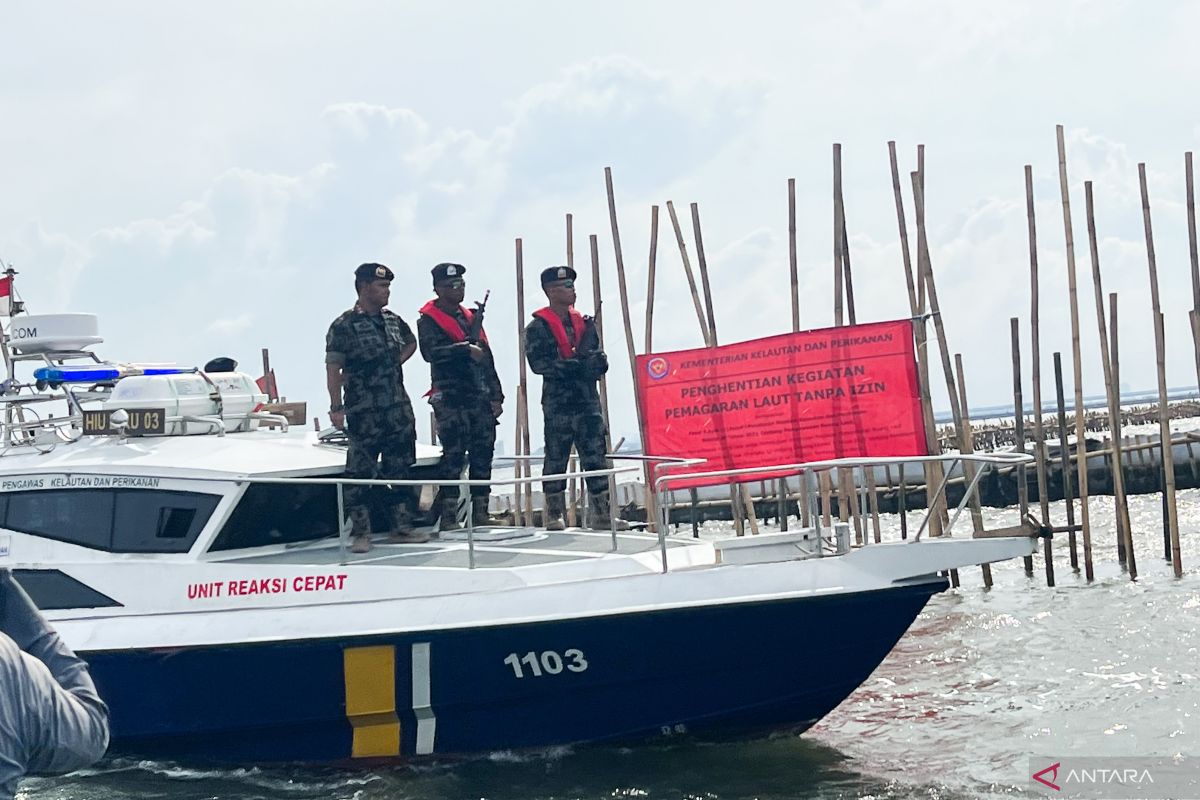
point(51, 719)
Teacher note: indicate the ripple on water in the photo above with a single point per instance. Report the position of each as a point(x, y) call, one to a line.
point(984, 680)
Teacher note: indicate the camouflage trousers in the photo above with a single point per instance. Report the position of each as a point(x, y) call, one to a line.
point(383, 445)
point(583, 428)
point(467, 432)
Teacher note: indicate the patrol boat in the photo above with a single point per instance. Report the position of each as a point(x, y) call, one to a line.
point(198, 560)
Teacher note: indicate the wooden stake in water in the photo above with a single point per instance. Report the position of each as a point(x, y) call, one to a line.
point(521, 467)
point(598, 305)
point(1019, 428)
point(1114, 352)
point(1064, 453)
point(925, 274)
point(746, 500)
point(1193, 253)
point(969, 466)
point(1080, 432)
point(1036, 366)
point(918, 334)
point(1195, 259)
point(837, 235)
point(1113, 394)
point(703, 263)
point(650, 269)
point(691, 277)
point(573, 459)
point(793, 268)
point(651, 506)
point(1171, 521)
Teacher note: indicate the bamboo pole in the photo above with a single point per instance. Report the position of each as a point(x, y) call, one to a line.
point(1193, 254)
point(1064, 454)
point(921, 172)
point(521, 467)
point(1019, 428)
point(873, 503)
point(826, 486)
point(904, 248)
point(702, 318)
point(1194, 318)
point(849, 281)
point(702, 261)
point(651, 506)
point(687, 268)
point(1118, 461)
point(918, 333)
point(793, 268)
point(1039, 431)
point(838, 212)
point(1164, 418)
point(518, 489)
point(969, 466)
point(925, 279)
point(652, 263)
point(1125, 553)
point(1076, 361)
point(934, 472)
point(1191, 221)
point(703, 264)
point(598, 316)
point(848, 483)
point(573, 460)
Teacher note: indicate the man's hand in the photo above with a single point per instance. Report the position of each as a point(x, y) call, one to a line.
point(476, 352)
point(338, 419)
point(497, 408)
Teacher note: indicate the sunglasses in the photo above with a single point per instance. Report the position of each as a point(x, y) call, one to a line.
point(567, 284)
point(456, 283)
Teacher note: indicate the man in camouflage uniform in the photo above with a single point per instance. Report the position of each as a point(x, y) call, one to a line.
point(466, 396)
point(563, 346)
point(364, 353)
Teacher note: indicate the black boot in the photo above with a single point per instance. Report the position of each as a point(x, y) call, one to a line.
point(599, 514)
point(402, 529)
point(449, 520)
point(360, 530)
point(554, 512)
point(479, 512)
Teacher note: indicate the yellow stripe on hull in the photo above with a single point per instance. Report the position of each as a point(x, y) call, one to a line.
point(371, 701)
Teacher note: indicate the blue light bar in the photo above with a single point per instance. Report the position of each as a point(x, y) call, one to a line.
point(92, 373)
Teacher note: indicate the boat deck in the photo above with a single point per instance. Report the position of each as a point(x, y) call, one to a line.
point(494, 547)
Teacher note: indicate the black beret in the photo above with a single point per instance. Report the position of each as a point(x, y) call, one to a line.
point(447, 271)
point(554, 274)
point(221, 364)
point(373, 272)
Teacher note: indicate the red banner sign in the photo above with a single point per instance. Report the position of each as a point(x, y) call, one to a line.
point(830, 393)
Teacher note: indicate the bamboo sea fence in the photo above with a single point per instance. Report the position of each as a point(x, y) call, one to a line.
point(1057, 438)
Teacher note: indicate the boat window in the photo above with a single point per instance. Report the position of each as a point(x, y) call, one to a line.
point(276, 513)
point(160, 522)
point(118, 520)
point(52, 589)
point(78, 516)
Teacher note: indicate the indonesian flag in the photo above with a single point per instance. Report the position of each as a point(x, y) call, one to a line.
point(5, 295)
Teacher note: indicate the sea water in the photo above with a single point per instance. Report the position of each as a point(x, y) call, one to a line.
point(984, 684)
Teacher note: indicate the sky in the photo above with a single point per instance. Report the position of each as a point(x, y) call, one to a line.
point(206, 176)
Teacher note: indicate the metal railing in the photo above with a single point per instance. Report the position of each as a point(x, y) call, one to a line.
point(809, 470)
point(343, 529)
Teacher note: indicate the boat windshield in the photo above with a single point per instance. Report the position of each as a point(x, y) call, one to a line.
point(278, 513)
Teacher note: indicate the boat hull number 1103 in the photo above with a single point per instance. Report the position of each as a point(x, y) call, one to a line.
point(547, 662)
